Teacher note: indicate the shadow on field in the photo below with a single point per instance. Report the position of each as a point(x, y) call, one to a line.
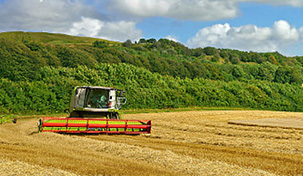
point(34, 132)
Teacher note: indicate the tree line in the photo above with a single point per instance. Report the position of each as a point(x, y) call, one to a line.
point(50, 91)
point(38, 72)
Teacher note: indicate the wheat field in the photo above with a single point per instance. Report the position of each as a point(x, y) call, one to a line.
point(181, 143)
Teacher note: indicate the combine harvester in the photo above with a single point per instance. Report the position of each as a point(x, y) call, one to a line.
point(95, 110)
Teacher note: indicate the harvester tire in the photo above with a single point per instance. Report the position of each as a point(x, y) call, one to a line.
point(116, 116)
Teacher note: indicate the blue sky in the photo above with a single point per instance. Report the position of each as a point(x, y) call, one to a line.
point(249, 25)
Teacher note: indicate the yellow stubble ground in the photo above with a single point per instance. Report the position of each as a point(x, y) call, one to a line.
point(181, 143)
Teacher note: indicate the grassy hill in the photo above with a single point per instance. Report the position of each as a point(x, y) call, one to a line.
point(37, 72)
point(46, 38)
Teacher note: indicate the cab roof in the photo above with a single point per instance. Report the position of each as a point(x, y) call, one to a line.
point(95, 87)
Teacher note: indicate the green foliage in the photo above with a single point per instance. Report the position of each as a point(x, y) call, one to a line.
point(210, 51)
point(35, 50)
point(38, 70)
point(142, 41)
point(100, 44)
point(234, 60)
point(50, 92)
point(127, 43)
point(287, 75)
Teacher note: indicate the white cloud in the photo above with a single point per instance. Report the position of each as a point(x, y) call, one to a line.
point(295, 3)
point(86, 27)
point(46, 15)
point(283, 31)
point(249, 37)
point(196, 10)
point(119, 31)
point(169, 37)
point(72, 17)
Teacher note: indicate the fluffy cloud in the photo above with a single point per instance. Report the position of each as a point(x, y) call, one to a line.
point(196, 10)
point(119, 31)
point(63, 16)
point(295, 3)
point(169, 37)
point(284, 32)
point(47, 15)
point(86, 27)
point(249, 37)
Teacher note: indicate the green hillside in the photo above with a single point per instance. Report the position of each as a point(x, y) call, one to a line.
point(37, 72)
point(46, 38)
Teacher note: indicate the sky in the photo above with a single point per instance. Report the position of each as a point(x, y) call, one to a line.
point(246, 25)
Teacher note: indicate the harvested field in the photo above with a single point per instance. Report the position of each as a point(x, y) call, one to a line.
point(182, 143)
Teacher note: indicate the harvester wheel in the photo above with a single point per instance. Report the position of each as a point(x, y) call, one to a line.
point(116, 116)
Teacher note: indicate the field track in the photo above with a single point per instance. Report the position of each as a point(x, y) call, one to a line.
point(181, 143)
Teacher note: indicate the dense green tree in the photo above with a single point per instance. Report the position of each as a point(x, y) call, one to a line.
point(37, 71)
point(152, 40)
point(142, 41)
point(210, 51)
point(127, 43)
point(100, 44)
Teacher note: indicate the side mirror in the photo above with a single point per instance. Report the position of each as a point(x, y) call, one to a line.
point(121, 93)
point(121, 101)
